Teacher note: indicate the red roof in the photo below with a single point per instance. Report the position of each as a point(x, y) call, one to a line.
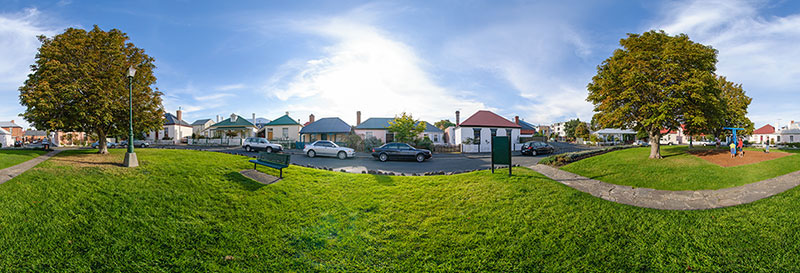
point(485, 118)
point(665, 131)
point(767, 129)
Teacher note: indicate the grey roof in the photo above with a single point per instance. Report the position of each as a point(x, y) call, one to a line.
point(35, 133)
point(201, 121)
point(383, 123)
point(7, 124)
point(170, 119)
point(526, 126)
point(326, 125)
point(790, 131)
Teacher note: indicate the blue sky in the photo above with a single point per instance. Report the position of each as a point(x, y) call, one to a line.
point(428, 58)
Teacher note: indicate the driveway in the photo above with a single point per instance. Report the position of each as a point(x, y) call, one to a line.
point(365, 161)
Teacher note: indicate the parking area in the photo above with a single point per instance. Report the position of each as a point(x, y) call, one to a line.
point(455, 162)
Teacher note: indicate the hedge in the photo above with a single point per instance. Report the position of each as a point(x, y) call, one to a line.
point(566, 158)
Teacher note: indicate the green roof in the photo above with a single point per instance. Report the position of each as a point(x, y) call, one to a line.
point(240, 122)
point(284, 120)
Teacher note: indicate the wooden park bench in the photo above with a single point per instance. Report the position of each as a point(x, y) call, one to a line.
point(275, 161)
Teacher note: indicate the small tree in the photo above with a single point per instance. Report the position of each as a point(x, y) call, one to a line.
point(444, 124)
point(354, 141)
point(582, 130)
point(405, 128)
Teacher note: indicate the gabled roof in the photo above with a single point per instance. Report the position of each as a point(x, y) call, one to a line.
point(326, 125)
point(526, 126)
point(283, 120)
point(35, 133)
point(383, 123)
point(8, 124)
point(790, 131)
point(485, 118)
point(240, 122)
point(766, 129)
point(170, 119)
point(201, 121)
point(4, 132)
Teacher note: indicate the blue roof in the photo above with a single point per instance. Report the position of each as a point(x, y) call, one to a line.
point(383, 123)
point(326, 125)
point(170, 119)
point(526, 126)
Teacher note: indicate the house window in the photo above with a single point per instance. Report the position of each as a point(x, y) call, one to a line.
point(435, 138)
point(494, 132)
point(791, 138)
point(166, 132)
point(285, 133)
point(369, 134)
point(476, 135)
point(779, 138)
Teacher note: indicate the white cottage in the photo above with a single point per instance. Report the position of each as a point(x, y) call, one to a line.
point(475, 133)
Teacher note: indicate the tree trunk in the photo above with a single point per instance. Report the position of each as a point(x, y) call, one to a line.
point(655, 146)
point(103, 146)
point(690, 142)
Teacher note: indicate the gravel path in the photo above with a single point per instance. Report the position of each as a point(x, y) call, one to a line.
point(13, 171)
point(673, 200)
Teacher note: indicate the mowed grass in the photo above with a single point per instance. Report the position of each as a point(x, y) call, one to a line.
point(678, 170)
point(187, 211)
point(10, 158)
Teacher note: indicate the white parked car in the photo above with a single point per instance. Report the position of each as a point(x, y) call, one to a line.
point(259, 143)
point(328, 148)
point(704, 143)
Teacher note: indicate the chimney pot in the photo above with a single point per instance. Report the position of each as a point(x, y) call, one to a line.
point(287, 113)
point(180, 115)
point(458, 118)
point(358, 118)
point(311, 118)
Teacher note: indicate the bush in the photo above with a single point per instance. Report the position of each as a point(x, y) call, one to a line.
point(564, 159)
point(354, 141)
point(372, 142)
point(166, 138)
point(424, 143)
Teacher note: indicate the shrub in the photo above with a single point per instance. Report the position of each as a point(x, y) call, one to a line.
point(354, 141)
point(564, 159)
point(372, 142)
point(424, 143)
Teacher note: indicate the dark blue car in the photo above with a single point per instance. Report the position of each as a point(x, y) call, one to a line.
point(400, 151)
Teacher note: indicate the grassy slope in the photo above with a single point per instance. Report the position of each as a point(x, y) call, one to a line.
point(677, 171)
point(187, 210)
point(10, 158)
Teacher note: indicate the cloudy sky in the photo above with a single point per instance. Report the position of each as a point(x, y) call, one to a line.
point(427, 58)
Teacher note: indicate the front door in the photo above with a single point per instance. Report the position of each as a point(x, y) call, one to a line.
point(323, 137)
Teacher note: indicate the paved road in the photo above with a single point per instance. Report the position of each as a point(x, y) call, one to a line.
point(365, 162)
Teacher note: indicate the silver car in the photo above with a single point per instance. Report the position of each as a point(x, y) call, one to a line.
point(328, 148)
point(259, 143)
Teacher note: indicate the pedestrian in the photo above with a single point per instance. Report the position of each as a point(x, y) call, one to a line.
point(766, 147)
point(740, 147)
point(733, 149)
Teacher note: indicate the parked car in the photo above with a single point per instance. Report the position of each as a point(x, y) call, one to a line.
point(18, 143)
point(535, 148)
point(44, 143)
point(704, 143)
point(108, 144)
point(641, 143)
point(260, 143)
point(328, 148)
point(136, 143)
point(396, 150)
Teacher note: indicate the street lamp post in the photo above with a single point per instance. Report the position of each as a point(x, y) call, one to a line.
point(130, 156)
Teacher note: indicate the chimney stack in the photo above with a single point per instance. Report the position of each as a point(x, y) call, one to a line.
point(12, 121)
point(180, 115)
point(358, 118)
point(458, 118)
point(254, 118)
point(516, 120)
point(311, 118)
point(287, 113)
point(218, 118)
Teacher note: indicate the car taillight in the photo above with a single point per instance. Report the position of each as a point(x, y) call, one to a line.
point(373, 150)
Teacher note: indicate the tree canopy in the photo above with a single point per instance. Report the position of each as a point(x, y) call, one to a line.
point(78, 83)
point(582, 130)
point(654, 82)
point(405, 128)
point(443, 124)
point(569, 128)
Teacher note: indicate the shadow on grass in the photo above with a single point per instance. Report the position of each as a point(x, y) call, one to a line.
point(383, 180)
point(244, 182)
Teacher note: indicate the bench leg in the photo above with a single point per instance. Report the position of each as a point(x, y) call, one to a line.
point(281, 173)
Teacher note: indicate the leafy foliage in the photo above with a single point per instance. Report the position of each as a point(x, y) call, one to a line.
point(354, 142)
point(654, 82)
point(372, 142)
point(582, 130)
point(443, 124)
point(79, 83)
point(405, 128)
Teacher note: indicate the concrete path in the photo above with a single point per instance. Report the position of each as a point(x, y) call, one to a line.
point(13, 171)
point(673, 200)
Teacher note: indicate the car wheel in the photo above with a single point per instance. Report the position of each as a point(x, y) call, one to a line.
point(247, 148)
point(269, 149)
point(420, 157)
point(342, 155)
point(311, 153)
point(383, 157)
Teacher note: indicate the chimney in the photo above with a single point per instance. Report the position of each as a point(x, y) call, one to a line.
point(311, 118)
point(12, 121)
point(217, 118)
point(458, 118)
point(180, 115)
point(516, 120)
point(287, 113)
point(254, 118)
point(358, 118)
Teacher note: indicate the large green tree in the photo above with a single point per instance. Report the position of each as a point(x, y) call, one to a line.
point(569, 128)
point(405, 128)
point(732, 111)
point(654, 82)
point(582, 130)
point(78, 83)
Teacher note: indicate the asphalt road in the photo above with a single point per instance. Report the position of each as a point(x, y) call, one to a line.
point(364, 161)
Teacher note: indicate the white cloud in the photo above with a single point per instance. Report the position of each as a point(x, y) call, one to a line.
point(230, 87)
point(363, 69)
point(18, 47)
point(757, 51)
point(531, 55)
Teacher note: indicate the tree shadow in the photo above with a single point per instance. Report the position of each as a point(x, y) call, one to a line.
point(384, 180)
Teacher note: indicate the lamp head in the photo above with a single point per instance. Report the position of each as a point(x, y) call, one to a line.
point(131, 71)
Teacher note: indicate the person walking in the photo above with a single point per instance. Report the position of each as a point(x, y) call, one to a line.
point(740, 147)
point(766, 147)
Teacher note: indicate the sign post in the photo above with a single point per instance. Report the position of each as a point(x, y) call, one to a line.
point(501, 151)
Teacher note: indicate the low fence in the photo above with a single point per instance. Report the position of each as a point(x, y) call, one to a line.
point(216, 141)
point(447, 148)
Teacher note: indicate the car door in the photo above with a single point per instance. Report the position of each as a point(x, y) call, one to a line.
point(405, 151)
point(326, 148)
point(391, 150)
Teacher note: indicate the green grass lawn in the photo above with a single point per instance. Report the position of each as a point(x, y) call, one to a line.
point(187, 210)
point(10, 158)
point(678, 170)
